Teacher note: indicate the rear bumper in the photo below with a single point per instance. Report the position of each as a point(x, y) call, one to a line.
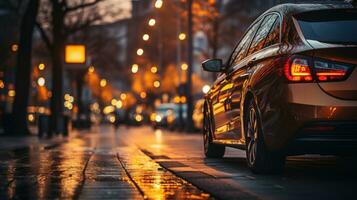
point(325, 137)
point(312, 121)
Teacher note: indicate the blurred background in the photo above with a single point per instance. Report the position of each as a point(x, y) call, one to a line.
point(79, 63)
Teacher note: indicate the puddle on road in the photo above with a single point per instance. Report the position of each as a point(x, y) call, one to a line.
point(44, 174)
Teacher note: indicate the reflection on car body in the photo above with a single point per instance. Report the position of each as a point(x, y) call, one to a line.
point(289, 87)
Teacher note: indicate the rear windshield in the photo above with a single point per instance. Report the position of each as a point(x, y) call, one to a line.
point(329, 26)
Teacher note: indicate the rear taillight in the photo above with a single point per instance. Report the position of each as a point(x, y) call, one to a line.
point(327, 71)
point(305, 69)
point(298, 70)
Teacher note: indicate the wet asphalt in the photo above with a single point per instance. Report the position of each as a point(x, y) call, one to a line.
point(142, 163)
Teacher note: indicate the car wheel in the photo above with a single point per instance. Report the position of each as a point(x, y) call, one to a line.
point(211, 150)
point(259, 158)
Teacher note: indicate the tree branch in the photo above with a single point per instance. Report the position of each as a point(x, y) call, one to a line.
point(80, 6)
point(44, 36)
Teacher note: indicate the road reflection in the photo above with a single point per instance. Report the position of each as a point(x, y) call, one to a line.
point(44, 174)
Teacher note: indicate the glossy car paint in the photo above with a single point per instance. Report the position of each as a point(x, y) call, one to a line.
point(285, 108)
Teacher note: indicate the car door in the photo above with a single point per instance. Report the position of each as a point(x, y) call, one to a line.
point(241, 68)
point(222, 118)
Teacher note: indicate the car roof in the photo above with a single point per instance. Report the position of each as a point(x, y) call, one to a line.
point(290, 9)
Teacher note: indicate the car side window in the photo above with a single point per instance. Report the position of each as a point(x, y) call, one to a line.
point(242, 47)
point(274, 34)
point(262, 33)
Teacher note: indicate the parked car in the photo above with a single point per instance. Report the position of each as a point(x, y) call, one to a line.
point(197, 116)
point(167, 115)
point(289, 87)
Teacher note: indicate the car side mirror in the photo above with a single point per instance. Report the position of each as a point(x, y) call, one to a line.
point(213, 65)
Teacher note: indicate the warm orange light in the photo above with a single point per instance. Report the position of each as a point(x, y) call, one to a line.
point(143, 95)
point(103, 83)
point(123, 96)
point(2, 84)
point(152, 22)
point(157, 84)
point(14, 47)
point(158, 4)
point(146, 37)
point(91, 69)
point(134, 68)
point(140, 52)
point(153, 69)
point(41, 66)
point(41, 81)
point(11, 93)
point(182, 36)
point(184, 66)
point(331, 73)
point(75, 54)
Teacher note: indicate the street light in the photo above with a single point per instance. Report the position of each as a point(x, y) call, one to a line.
point(152, 22)
point(103, 83)
point(41, 66)
point(123, 96)
point(184, 66)
point(154, 69)
point(146, 37)
point(41, 81)
point(75, 54)
point(91, 69)
point(157, 84)
point(14, 47)
point(158, 4)
point(205, 89)
point(182, 36)
point(143, 95)
point(135, 68)
point(140, 52)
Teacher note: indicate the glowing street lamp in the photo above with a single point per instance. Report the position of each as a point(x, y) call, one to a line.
point(41, 66)
point(182, 36)
point(153, 69)
point(158, 4)
point(14, 47)
point(123, 96)
point(134, 68)
point(184, 66)
point(140, 52)
point(146, 37)
point(143, 95)
point(91, 69)
point(152, 22)
point(157, 84)
point(103, 82)
point(75, 54)
point(205, 89)
point(41, 81)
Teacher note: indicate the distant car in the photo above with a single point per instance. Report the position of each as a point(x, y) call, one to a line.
point(197, 116)
point(168, 115)
point(289, 87)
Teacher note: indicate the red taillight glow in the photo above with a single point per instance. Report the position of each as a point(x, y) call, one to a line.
point(304, 69)
point(297, 69)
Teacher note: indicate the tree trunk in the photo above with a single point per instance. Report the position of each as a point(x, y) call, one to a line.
point(23, 70)
point(57, 66)
point(189, 122)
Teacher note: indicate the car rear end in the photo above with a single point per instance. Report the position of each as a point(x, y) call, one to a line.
point(322, 84)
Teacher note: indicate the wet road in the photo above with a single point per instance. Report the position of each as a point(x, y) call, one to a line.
point(140, 163)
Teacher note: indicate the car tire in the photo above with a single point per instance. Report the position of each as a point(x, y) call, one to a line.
point(211, 150)
point(259, 158)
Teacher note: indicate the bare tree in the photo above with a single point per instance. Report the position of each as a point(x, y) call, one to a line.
point(58, 20)
point(23, 70)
